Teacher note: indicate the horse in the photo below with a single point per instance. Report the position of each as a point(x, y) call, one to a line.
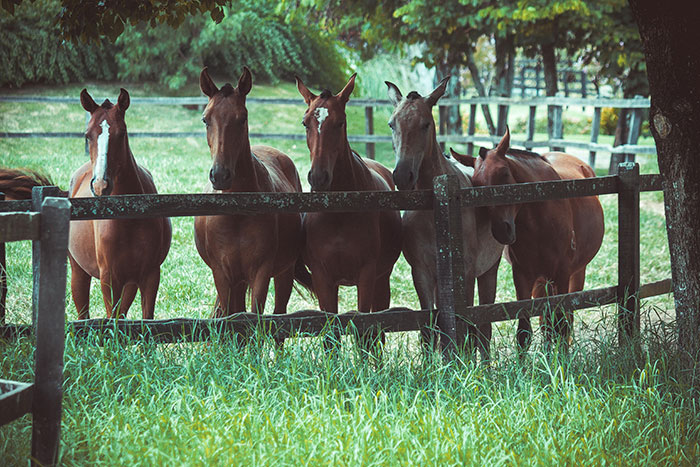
point(548, 243)
point(346, 248)
point(246, 251)
point(418, 161)
point(124, 254)
point(17, 184)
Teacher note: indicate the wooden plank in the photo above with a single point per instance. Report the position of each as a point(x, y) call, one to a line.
point(39, 194)
point(531, 125)
point(595, 131)
point(369, 130)
point(50, 335)
point(15, 226)
point(15, 400)
point(653, 289)
point(15, 206)
point(650, 182)
point(3, 273)
point(471, 128)
point(628, 252)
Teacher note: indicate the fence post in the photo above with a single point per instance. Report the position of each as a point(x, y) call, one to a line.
point(450, 264)
point(584, 85)
point(50, 331)
point(628, 252)
point(3, 276)
point(537, 80)
point(471, 128)
point(634, 131)
point(531, 128)
point(555, 125)
point(39, 193)
point(595, 132)
point(369, 129)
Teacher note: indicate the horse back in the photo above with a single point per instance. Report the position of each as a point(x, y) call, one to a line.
point(282, 171)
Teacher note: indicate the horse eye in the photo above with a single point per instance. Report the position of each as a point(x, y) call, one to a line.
point(391, 125)
point(303, 123)
point(204, 120)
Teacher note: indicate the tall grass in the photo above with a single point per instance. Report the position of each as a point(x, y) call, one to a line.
point(215, 402)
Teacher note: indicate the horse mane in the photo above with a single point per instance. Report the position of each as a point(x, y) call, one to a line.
point(18, 183)
point(226, 90)
point(413, 95)
point(325, 94)
point(523, 152)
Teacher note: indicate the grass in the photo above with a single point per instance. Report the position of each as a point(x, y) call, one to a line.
point(216, 403)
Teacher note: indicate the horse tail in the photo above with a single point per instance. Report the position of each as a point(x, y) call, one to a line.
point(303, 276)
point(17, 184)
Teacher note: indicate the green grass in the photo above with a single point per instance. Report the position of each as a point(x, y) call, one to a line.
point(215, 403)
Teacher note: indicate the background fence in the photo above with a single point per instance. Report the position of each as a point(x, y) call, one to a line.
point(445, 200)
point(555, 122)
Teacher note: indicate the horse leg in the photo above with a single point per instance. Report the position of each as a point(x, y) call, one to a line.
point(382, 299)
point(127, 298)
point(111, 295)
point(425, 288)
point(327, 294)
point(80, 289)
point(259, 288)
point(487, 294)
point(365, 299)
point(523, 291)
point(149, 291)
point(283, 290)
point(466, 332)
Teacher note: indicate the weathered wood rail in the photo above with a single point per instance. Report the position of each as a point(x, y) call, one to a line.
point(445, 199)
point(555, 105)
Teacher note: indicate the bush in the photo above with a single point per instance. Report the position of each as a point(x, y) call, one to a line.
point(608, 120)
point(249, 34)
point(32, 52)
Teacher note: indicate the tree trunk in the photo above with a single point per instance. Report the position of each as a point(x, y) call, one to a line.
point(549, 61)
point(670, 35)
point(450, 117)
point(505, 56)
point(479, 85)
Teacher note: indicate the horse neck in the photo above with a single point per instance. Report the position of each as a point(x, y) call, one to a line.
point(127, 180)
point(249, 172)
point(434, 164)
point(350, 172)
point(530, 169)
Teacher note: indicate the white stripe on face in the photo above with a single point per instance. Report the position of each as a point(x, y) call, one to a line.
point(321, 115)
point(100, 169)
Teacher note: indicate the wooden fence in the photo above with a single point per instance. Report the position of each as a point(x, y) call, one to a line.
point(444, 199)
point(555, 122)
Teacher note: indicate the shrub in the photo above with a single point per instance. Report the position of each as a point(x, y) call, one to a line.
point(31, 51)
point(608, 120)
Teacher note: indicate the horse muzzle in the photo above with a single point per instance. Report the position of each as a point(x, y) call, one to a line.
point(220, 177)
point(405, 179)
point(503, 232)
point(101, 187)
point(320, 180)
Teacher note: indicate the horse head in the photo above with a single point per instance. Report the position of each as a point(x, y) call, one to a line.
point(107, 140)
point(413, 131)
point(226, 119)
point(326, 131)
point(492, 168)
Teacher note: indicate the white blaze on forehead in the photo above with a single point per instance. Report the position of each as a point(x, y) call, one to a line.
point(321, 115)
point(100, 169)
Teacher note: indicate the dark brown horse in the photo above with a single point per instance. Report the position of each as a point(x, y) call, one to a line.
point(355, 248)
point(418, 161)
point(124, 254)
point(17, 184)
point(549, 243)
point(246, 250)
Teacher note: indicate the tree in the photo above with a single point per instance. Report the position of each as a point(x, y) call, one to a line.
point(670, 34)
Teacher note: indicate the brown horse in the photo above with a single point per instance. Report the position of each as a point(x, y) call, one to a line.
point(349, 248)
point(549, 243)
point(17, 184)
point(418, 161)
point(246, 250)
point(124, 254)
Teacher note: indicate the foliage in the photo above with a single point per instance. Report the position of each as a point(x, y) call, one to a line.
point(31, 52)
point(608, 120)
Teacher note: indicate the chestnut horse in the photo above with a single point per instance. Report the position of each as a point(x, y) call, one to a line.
point(246, 250)
point(418, 161)
point(17, 184)
point(124, 254)
point(549, 243)
point(346, 248)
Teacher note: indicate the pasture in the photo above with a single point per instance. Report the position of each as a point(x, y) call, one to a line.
point(198, 403)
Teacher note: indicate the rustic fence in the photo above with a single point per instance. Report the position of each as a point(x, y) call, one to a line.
point(444, 199)
point(555, 122)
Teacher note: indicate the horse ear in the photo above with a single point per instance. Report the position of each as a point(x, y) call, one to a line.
point(438, 92)
point(344, 95)
point(504, 145)
point(206, 84)
point(304, 91)
point(123, 100)
point(394, 93)
point(464, 159)
point(87, 101)
point(245, 82)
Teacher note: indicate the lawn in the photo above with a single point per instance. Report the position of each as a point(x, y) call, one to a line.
point(216, 403)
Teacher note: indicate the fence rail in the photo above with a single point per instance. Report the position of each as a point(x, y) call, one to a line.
point(446, 197)
point(555, 105)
